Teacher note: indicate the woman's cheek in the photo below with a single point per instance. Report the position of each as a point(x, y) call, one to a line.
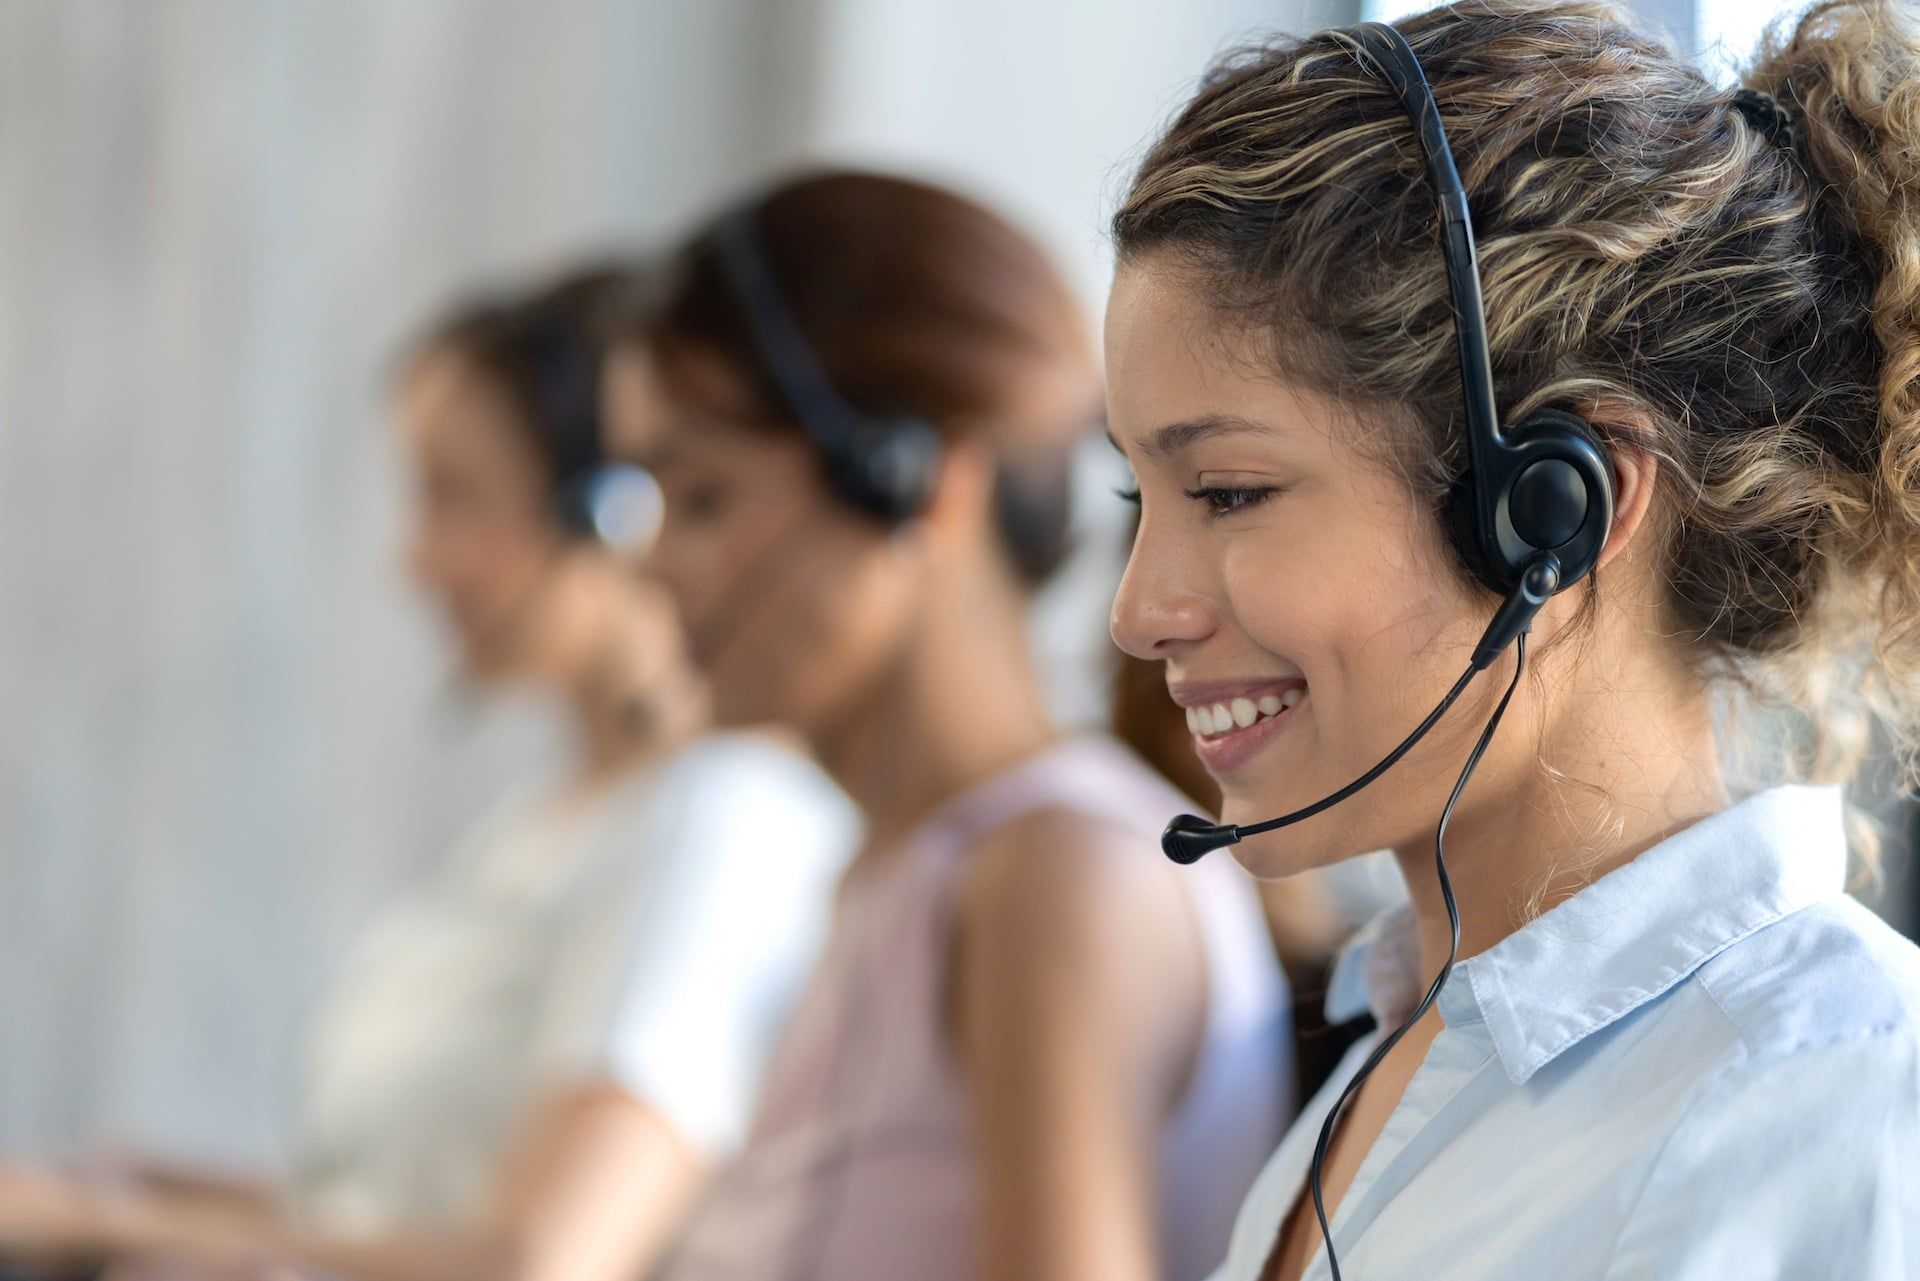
point(1274, 604)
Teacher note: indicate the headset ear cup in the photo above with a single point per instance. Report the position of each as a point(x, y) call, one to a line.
point(573, 508)
point(1554, 475)
point(889, 468)
point(905, 462)
point(1580, 470)
point(1460, 516)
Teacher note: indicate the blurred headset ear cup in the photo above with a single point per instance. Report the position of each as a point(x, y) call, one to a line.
point(888, 468)
point(573, 510)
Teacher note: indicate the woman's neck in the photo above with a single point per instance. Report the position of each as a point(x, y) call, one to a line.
point(1614, 774)
point(961, 704)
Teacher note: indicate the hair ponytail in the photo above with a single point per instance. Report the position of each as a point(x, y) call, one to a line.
point(1847, 76)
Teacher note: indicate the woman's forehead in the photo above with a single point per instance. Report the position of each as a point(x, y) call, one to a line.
point(1170, 359)
point(1181, 374)
point(672, 403)
point(447, 408)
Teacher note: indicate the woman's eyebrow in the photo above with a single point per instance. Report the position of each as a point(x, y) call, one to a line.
point(1174, 437)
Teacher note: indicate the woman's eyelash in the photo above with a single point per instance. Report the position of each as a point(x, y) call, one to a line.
point(1222, 500)
point(1225, 500)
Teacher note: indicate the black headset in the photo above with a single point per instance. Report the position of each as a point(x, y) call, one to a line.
point(1528, 515)
point(591, 497)
point(1535, 493)
point(882, 464)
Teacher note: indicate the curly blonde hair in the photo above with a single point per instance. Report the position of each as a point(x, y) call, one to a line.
point(1741, 276)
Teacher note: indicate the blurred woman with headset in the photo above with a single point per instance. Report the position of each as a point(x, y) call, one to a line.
point(1632, 1025)
point(1030, 1050)
point(528, 1066)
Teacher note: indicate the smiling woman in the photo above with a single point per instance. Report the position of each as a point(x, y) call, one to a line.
point(1719, 290)
point(1322, 582)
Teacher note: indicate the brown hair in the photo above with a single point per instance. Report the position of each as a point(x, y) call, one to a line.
point(1744, 281)
point(542, 351)
point(916, 301)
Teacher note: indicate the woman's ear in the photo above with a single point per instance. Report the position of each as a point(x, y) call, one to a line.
point(1635, 473)
point(962, 498)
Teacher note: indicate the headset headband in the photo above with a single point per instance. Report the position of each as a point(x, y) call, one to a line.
point(883, 464)
point(1389, 51)
point(1540, 486)
point(790, 358)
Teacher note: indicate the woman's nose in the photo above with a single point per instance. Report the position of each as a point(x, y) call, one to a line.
point(1159, 608)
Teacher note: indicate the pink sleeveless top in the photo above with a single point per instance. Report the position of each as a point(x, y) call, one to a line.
point(858, 1165)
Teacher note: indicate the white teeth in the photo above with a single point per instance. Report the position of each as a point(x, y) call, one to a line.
point(1212, 719)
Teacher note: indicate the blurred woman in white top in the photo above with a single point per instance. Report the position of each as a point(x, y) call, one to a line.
point(1030, 1050)
point(530, 1063)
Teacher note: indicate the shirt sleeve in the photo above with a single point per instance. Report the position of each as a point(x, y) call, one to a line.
point(734, 851)
point(1806, 1165)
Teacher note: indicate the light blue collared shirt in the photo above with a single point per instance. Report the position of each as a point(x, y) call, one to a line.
point(1706, 1064)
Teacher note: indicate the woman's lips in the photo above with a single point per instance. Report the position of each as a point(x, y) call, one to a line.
point(1231, 723)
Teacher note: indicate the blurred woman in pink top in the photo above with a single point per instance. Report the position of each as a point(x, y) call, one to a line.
point(1030, 1050)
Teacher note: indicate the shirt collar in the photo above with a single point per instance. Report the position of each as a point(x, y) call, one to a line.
point(1621, 941)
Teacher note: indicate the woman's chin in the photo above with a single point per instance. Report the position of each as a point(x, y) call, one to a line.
point(1272, 856)
point(1267, 859)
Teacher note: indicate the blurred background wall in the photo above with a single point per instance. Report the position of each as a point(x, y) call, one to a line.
point(224, 729)
point(223, 726)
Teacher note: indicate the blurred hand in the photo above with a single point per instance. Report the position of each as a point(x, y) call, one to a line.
point(47, 1217)
point(637, 656)
point(128, 1175)
point(235, 1269)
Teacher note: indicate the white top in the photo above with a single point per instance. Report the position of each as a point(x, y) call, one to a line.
point(1705, 1065)
point(651, 938)
point(860, 1164)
